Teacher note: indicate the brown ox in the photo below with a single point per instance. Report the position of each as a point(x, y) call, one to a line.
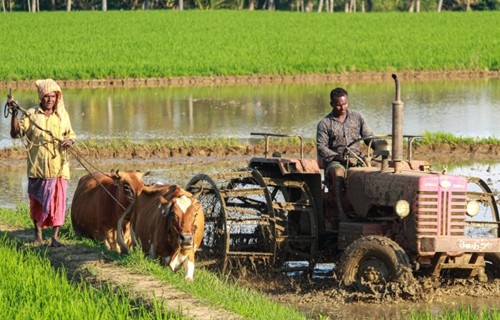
point(99, 202)
point(168, 222)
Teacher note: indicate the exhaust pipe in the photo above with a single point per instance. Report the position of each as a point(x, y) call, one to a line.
point(397, 128)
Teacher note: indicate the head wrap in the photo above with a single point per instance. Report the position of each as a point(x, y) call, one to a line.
point(47, 86)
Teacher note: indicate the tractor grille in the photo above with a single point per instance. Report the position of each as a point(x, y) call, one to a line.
point(441, 213)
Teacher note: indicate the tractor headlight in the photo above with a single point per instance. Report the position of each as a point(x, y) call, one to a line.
point(472, 208)
point(402, 208)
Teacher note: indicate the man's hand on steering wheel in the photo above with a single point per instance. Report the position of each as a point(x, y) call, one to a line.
point(352, 162)
point(352, 158)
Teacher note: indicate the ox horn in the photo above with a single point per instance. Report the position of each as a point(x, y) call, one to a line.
point(121, 242)
point(197, 194)
point(114, 173)
point(165, 211)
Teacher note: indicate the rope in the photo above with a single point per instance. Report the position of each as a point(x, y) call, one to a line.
point(81, 160)
point(12, 108)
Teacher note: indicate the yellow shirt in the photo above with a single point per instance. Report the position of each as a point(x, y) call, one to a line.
point(45, 157)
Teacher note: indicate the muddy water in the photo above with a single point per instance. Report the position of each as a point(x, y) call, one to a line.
point(405, 310)
point(13, 182)
point(465, 108)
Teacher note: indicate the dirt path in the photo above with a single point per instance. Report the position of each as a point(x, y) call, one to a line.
point(95, 267)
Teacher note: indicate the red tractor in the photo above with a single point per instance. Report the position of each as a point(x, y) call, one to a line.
point(402, 217)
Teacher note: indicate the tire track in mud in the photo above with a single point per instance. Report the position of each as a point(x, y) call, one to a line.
point(84, 264)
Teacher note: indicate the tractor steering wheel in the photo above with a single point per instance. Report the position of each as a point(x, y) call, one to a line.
point(348, 152)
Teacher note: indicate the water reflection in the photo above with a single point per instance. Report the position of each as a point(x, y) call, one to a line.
point(14, 183)
point(466, 108)
point(398, 311)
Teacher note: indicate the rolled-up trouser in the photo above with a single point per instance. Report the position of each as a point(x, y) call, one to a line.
point(337, 186)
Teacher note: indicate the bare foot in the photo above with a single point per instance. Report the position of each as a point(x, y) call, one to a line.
point(55, 243)
point(37, 242)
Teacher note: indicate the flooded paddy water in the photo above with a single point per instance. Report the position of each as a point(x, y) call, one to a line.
point(464, 108)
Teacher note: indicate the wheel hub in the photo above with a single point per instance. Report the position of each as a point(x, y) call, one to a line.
point(373, 271)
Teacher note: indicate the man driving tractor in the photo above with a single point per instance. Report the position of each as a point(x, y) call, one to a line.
point(335, 131)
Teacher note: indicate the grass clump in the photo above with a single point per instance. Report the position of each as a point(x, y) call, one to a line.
point(20, 217)
point(427, 139)
point(121, 144)
point(437, 138)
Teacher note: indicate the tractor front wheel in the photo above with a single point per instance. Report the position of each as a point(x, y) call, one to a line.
point(492, 261)
point(371, 262)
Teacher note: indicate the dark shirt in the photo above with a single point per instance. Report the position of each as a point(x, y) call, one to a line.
point(332, 136)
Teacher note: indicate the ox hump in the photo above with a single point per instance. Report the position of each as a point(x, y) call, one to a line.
point(183, 202)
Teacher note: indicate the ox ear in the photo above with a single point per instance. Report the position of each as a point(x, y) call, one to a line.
point(162, 200)
point(143, 174)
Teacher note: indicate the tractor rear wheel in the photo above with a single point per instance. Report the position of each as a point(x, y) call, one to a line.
point(213, 248)
point(239, 221)
point(371, 262)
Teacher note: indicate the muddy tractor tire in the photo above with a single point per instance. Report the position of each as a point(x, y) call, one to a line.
point(371, 262)
point(492, 261)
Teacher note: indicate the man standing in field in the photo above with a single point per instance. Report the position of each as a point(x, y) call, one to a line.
point(47, 131)
point(334, 132)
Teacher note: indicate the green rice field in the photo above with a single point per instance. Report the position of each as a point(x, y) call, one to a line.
point(144, 44)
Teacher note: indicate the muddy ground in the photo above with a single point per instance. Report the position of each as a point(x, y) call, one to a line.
point(346, 77)
point(438, 153)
